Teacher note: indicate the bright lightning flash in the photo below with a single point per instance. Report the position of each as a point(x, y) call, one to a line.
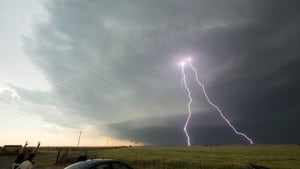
point(211, 103)
point(188, 105)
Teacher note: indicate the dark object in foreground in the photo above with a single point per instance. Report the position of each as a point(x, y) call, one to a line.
point(254, 166)
point(99, 164)
point(81, 158)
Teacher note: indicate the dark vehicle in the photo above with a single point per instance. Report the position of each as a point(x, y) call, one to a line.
point(99, 164)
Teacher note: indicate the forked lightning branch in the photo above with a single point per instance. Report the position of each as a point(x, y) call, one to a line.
point(188, 61)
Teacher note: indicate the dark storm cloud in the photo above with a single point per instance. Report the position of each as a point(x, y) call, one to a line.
point(113, 63)
point(205, 129)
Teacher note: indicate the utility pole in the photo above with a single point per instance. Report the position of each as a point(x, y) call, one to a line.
point(79, 138)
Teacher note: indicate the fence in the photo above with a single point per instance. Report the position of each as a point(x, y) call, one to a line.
point(11, 149)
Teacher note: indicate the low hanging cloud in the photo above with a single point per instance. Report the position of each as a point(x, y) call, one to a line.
point(114, 64)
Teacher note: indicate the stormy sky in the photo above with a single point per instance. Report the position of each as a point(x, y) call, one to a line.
point(113, 65)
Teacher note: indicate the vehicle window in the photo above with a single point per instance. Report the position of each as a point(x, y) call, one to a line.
point(120, 166)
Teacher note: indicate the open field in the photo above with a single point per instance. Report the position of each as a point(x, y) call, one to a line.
point(198, 157)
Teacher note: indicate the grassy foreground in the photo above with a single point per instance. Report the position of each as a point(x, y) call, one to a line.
point(195, 157)
point(218, 157)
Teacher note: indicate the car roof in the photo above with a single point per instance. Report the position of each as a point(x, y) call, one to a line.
point(90, 163)
point(100, 160)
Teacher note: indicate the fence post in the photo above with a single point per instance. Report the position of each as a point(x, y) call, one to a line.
point(136, 161)
point(57, 156)
point(200, 164)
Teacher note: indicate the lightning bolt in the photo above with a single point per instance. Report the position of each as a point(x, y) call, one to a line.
point(188, 105)
point(210, 102)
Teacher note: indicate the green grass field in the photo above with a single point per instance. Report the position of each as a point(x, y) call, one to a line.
point(196, 157)
point(275, 157)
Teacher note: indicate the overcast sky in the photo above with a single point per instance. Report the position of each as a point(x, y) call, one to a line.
point(111, 69)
